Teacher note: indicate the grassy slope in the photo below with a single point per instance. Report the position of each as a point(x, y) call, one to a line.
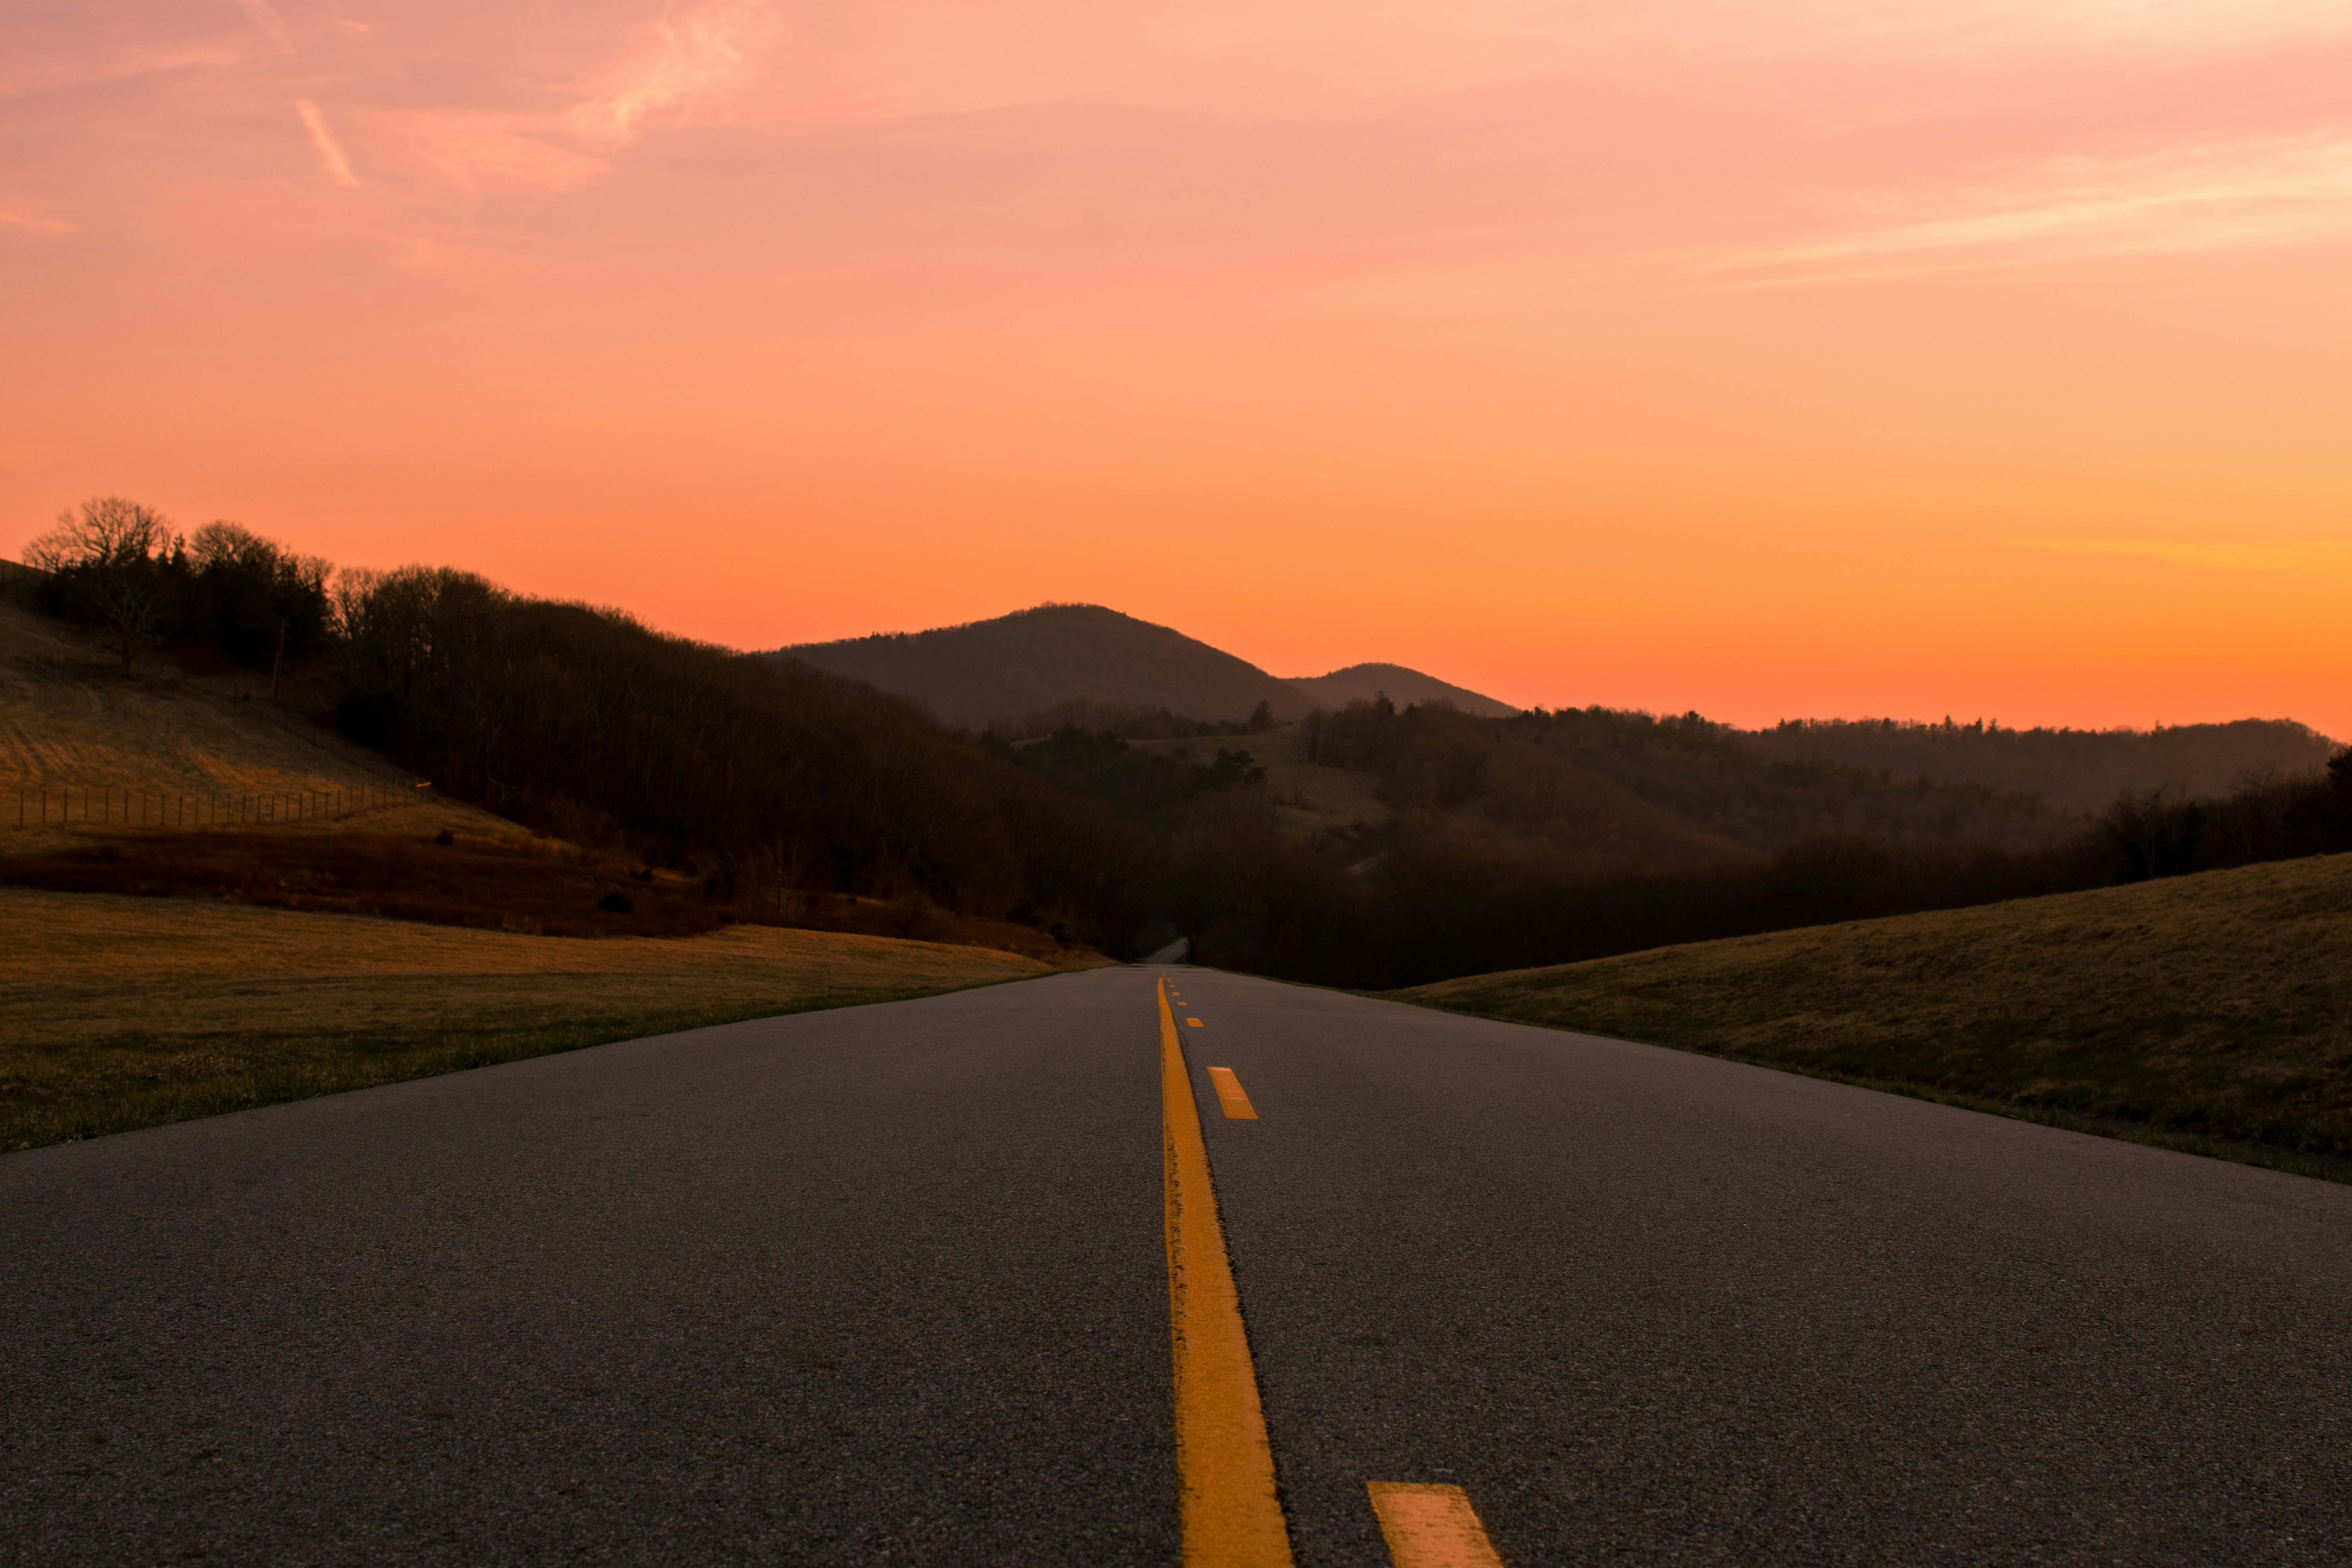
point(69, 718)
point(118, 1012)
point(1335, 798)
point(2217, 1006)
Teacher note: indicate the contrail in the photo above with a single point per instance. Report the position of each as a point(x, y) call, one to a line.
point(272, 25)
point(331, 153)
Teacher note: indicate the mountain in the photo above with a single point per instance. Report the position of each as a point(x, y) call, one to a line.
point(987, 672)
point(1403, 686)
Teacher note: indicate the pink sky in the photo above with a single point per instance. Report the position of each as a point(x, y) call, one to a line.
point(1772, 358)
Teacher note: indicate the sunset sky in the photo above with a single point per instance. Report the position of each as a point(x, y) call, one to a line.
point(1765, 357)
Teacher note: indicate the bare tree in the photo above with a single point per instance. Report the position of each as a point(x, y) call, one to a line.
point(115, 548)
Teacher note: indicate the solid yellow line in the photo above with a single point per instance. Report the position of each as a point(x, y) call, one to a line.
point(1431, 1526)
point(1230, 1097)
point(1227, 1506)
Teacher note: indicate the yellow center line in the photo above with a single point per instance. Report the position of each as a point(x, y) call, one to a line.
point(1235, 1103)
point(1431, 1526)
point(1227, 1506)
point(1194, 1022)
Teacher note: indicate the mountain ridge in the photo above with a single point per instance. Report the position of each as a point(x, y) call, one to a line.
point(1401, 685)
point(989, 671)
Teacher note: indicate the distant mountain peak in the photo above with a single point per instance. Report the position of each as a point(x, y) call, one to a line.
point(989, 671)
point(1401, 685)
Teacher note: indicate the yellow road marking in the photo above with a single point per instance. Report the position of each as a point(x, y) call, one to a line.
point(1230, 1098)
point(1227, 1506)
point(1431, 1526)
point(1194, 1022)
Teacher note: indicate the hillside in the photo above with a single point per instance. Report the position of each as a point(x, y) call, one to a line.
point(987, 671)
point(646, 787)
point(1363, 682)
point(1306, 800)
point(659, 787)
point(70, 720)
point(2079, 770)
point(2218, 1005)
point(998, 672)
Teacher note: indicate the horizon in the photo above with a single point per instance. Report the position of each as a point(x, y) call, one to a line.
point(1947, 719)
point(1761, 360)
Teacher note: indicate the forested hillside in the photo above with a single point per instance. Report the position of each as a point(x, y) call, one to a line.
point(1364, 682)
point(777, 775)
point(2080, 770)
point(1563, 777)
point(1032, 671)
point(751, 782)
point(996, 672)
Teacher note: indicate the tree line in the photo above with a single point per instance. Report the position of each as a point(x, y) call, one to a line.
point(2080, 770)
point(221, 593)
point(1542, 837)
point(1440, 902)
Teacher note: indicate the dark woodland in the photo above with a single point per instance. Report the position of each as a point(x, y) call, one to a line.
point(1540, 837)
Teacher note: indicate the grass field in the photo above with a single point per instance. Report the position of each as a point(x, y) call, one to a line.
point(1307, 798)
point(118, 1012)
point(70, 719)
point(2198, 1008)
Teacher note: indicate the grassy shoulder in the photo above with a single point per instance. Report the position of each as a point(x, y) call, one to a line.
point(2217, 1006)
point(118, 1012)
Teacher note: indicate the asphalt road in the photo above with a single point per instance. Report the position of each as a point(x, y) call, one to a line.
point(888, 1285)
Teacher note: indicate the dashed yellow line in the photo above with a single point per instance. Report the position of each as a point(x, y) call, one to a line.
point(1431, 1526)
point(1226, 1509)
point(1194, 1022)
point(1230, 1098)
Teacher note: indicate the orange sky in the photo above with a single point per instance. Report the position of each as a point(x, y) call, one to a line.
point(1765, 357)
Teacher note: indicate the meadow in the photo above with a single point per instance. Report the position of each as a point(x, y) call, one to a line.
point(119, 1011)
point(2212, 1011)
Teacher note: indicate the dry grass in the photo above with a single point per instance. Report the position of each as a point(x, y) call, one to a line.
point(2217, 1006)
point(118, 1012)
point(69, 719)
point(1307, 798)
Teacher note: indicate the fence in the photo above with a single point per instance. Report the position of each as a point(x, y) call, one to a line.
point(41, 807)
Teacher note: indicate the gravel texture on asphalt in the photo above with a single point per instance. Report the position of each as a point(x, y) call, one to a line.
point(888, 1284)
point(1652, 1307)
point(881, 1284)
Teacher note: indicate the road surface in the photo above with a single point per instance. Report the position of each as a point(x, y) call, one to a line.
point(890, 1284)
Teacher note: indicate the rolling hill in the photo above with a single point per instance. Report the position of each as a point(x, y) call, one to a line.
point(2214, 1005)
point(71, 725)
point(2079, 770)
point(1000, 670)
point(1362, 682)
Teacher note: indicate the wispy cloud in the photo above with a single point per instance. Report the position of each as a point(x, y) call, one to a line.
point(690, 60)
point(330, 151)
point(2299, 558)
point(691, 57)
point(497, 152)
point(273, 26)
point(2267, 193)
point(34, 225)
